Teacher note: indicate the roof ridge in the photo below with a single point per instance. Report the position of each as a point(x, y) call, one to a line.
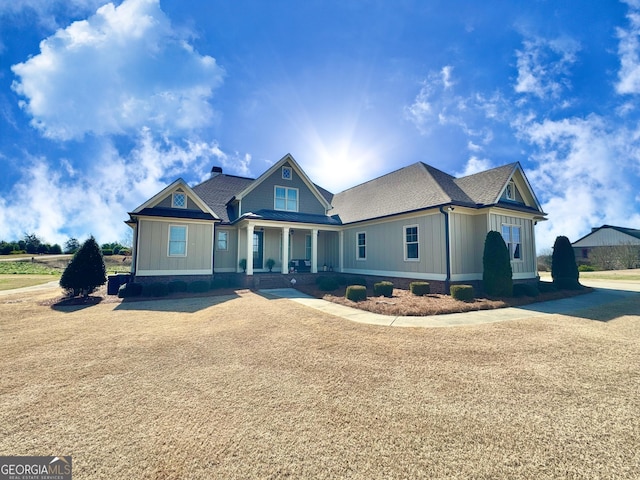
point(427, 167)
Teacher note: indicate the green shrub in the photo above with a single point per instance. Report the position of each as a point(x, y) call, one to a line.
point(327, 284)
point(342, 280)
point(199, 286)
point(219, 283)
point(86, 271)
point(157, 289)
point(356, 293)
point(420, 288)
point(564, 270)
point(546, 287)
point(525, 290)
point(177, 286)
point(384, 289)
point(358, 281)
point(131, 289)
point(462, 292)
point(107, 252)
point(496, 264)
point(587, 268)
point(18, 252)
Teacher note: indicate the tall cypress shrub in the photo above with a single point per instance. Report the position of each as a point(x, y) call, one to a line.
point(564, 270)
point(86, 271)
point(496, 266)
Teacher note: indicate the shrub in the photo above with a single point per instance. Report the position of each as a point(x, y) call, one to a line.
point(157, 289)
point(525, 290)
point(496, 264)
point(420, 288)
point(86, 271)
point(177, 286)
point(243, 264)
point(383, 289)
point(356, 293)
point(271, 263)
point(219, 283)
point(107, 251)
point(327, 284)
point(546, 287)
point(199, 286)
point(358, 281)
point(341, 279)
point(564, 270)
point(462, 292)
point(587, 268)
point(131, 289)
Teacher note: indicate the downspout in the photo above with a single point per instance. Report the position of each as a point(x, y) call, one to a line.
point(447, 247)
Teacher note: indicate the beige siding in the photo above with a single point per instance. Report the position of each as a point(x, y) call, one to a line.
point(226, 260)
point(607, 237)
point(385, 247)
point(527, 265)
point(467, 233)
point(153, 258)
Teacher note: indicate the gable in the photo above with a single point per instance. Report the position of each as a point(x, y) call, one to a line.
point(609, 236)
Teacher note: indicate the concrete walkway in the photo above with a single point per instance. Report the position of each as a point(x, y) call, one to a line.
point(606, 292)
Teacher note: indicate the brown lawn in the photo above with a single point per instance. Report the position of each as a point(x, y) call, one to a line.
point(240, 386)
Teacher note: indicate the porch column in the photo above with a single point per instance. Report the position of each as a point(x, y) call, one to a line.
point(250, 249)
point(285, 250)
point(341, 251)
point(314, 250)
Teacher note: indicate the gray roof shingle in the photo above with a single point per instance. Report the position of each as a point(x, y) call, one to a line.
point(217, 191)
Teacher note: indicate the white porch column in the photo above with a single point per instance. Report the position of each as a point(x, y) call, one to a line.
point(314, 250)
point(285, 250)
point(341, 251)
point(250, 249)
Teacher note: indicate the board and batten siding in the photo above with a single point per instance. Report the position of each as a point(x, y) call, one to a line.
point(226, 260)
point(167, 202)
point(467, 234)
point(262, 196)
point(525, 268)
point(153, 241)
point(385, 247)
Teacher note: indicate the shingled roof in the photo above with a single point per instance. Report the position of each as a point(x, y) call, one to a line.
point(219, 190)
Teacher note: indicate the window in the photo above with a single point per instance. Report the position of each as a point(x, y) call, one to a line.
point(286, 199)
point(223, 240)
point(179, 200)
point(361, 246)
point(177, 241)
point(287, 174)
point(511, 236)
point(511, 191)
point(411, 249)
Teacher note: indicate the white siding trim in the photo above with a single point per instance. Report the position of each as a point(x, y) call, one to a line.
point(150, 273)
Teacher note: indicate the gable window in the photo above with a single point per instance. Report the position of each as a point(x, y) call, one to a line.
point(287, 173)
point(179, 200)
point(223, 240)
point(511, 236)
point(361, 246)
point(177, 241)
point(286, 199)
point(511, 190)
point(411, 248)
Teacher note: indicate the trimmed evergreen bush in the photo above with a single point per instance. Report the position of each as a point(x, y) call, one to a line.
point(564, 270)
point(156, 289)
point(462, 292)
point(107, 252)
point(420, 289)
point(131, 289)
point(327, 284)
point(546, 287)
point(199, 286)
point(177, 286)
point(525, 290)
point(496, 264)
point(86, 271)
point(356, 293)
point(587, 268)
point(384, 289)
point(358, 281)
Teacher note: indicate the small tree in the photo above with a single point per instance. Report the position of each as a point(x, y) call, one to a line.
point(564, 270)
point(71, 246)
point(496, 264)
point(86, 271)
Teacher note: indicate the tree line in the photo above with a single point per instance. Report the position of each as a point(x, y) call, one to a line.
point(30, 243)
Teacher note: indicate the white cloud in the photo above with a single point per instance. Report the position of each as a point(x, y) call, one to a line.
point(475, 165)
point(629, 52)
point(428, 105)
point(446, 76)
point(122, 69)
point(47, 12)
point(543, 66)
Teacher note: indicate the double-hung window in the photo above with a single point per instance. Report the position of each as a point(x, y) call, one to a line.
point(177, 241)
point(511, 236)
point(286, 199)
point(411, 243)
point(223, 240)
point(361, 246)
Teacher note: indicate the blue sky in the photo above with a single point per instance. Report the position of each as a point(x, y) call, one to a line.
point(104, 104)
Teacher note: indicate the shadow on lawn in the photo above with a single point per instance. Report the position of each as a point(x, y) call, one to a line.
point(186, 304)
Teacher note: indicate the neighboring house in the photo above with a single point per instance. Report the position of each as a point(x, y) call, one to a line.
point(609, 247)
point(414, 223)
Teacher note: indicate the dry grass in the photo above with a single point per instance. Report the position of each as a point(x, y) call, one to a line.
point(10, 282)
point(245, 387)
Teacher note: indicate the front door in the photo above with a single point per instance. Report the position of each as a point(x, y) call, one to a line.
point(258, 243)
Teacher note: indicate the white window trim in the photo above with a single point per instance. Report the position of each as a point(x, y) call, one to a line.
point(186, 241)
point(226, 249)
point(509, 243)
point(513, 190)
point(173, 200)
point(405, 243)
point(358, 257)
point(286, 189)
point(290, 177)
